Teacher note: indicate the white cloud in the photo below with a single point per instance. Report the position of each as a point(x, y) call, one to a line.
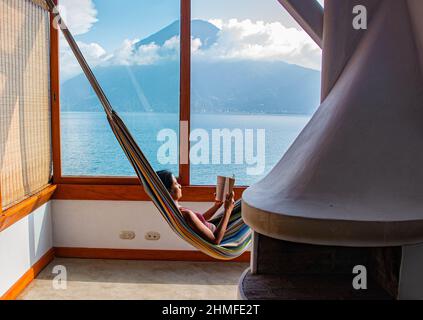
point(217, 22)
point(124, 55)
point(250, 40)
point(79, 15)
point(237, 40)
point(195, 45)
point(172, 44)
point(144, 55)
point(147, 54)
point(93, 53)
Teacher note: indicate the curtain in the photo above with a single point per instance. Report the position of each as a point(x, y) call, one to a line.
point(25, 121)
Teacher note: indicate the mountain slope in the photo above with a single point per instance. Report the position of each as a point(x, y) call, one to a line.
point(200, 29)
point(217, 86)
point(245, 86)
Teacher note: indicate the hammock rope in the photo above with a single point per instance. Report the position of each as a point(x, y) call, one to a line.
point(237, 237)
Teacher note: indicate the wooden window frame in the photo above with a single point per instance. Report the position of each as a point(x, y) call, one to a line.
point(19, 211)
point(127, 188)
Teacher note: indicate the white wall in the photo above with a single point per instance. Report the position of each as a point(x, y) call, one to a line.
point(97, 224)
point(23, 244)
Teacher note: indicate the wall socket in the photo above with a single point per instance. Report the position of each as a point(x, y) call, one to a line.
point(127, 235)
point(152, 236)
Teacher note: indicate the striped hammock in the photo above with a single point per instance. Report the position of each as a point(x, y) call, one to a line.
point(237, 237)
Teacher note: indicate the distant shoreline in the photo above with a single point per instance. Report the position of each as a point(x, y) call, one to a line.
point(205, 113)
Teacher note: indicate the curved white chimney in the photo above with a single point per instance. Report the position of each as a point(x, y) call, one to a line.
point(354, 176)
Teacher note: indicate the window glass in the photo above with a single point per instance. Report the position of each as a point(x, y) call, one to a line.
point(133, 48)
point(255, 84)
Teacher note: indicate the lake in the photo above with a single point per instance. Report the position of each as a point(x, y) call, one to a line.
point(89, 147)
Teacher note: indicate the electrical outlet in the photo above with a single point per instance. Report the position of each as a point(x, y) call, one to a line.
point(152, 236)
point(127, 235)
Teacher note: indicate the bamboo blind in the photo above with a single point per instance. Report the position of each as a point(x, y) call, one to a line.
point(41, 3)
point(25, 125)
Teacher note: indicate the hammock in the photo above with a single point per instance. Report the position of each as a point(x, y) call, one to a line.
point(237, 237)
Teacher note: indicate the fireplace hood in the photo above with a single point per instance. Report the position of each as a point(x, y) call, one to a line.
point(354, 176)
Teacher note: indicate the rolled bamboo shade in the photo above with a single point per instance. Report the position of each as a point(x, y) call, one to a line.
point(25, 133)
point(41, 3)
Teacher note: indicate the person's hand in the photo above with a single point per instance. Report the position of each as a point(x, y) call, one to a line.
point(230, 202)
point(217, 203)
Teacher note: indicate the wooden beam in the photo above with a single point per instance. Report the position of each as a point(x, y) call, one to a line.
point(100, 192)
point(309, 15)
point(55, 100)
point(136, 254)
point(91, 180)
point(131, 193)
point(1, 201)
point(185, 93)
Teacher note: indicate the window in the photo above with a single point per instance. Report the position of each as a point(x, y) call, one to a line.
point(255, 84)
point(135, 57)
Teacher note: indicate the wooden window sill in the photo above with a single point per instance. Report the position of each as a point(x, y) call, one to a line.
point(26, 207)
point(130, 192)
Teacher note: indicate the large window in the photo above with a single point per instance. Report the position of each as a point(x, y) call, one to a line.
point(135, 57)
point(244, 80)
point(255, 84)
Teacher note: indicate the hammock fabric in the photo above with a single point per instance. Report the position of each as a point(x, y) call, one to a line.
point(238, 235)
point(237, 238)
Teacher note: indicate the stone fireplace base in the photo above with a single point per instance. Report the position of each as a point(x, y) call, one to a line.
point(287, 270)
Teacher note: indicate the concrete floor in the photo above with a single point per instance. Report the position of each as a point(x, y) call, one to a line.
point(115, 279)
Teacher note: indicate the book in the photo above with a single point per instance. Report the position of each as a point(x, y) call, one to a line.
point(224, 186)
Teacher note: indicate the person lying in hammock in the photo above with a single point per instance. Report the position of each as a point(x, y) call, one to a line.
point(197, 221)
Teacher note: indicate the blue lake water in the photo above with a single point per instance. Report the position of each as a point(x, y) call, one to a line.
point(89, 147)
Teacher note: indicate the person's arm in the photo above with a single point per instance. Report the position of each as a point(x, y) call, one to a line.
point(205, 232)
point(212, 211)
point(221, 228)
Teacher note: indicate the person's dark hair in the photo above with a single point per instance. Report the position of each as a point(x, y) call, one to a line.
point(166, 177)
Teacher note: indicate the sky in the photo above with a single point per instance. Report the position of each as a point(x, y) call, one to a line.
point(137, 19)
point(251, 29)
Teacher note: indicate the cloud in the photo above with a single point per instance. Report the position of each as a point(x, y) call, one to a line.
point(237, 40)
point(127, 55)
point(147, 54)
point(93, 53)
point(195, 45)
point(248, 40)
point(79, 15)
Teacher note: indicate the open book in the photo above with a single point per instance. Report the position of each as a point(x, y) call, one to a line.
point(224, 186)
